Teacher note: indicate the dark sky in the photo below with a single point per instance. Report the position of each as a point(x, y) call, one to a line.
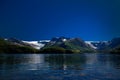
point(44, 19)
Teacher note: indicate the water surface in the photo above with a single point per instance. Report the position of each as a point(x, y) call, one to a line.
point(60, 66)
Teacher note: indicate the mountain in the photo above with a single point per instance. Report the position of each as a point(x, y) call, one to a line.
point(37, 44)
point(100, 45)
point(107, 46)
point(34, 44)
point(73, 45)
point(115, 50)
point(77, 45)
point(16, 42)
point(112, 45)
point(115, 42)
point(58, 45)
point(15, 46)
point(91, 44)
point(115, 45)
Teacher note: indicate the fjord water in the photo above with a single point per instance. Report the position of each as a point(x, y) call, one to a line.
point(96, 66)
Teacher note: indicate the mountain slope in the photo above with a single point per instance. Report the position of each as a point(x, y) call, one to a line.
point(37, 44)
point(107, 46)
point(115, 45)
point(71, 45)
point(90, 44)
point(7, 46)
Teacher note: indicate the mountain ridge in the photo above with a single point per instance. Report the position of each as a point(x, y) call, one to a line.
point(66, 45)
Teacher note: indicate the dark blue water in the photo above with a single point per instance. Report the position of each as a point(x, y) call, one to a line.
point(60, 67)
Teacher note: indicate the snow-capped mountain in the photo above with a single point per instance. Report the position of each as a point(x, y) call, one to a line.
point(34, 44)
point(37, 44)
point(64, 43)
point(41, 43)
point(97, 44)
point(68, 44)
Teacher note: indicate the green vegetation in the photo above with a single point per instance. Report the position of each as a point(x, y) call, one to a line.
point(59, 45)
point(56, 50)
point(53, 49)
point(7, 47)
point(70, 46)
point(74, 45)
point(115, 50)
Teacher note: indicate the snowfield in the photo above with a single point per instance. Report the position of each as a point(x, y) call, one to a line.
point(90, 43)
point(37, 44)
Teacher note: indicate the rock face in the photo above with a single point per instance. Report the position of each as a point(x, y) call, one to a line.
point(71, 44)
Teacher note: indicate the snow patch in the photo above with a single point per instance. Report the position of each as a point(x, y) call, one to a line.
point(64, 40)
point(90, 43)
point(36, 44)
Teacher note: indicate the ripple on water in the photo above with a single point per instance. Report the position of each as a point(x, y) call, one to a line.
point(72, 67)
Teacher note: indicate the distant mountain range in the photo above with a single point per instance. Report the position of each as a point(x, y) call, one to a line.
point(79, 45)
point(58, 45)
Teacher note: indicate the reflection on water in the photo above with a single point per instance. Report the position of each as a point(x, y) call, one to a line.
point(60, 67)
point(66, 61)
point(21, 61)
point(34, 58)
point(21, 58)
point(91, 59)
